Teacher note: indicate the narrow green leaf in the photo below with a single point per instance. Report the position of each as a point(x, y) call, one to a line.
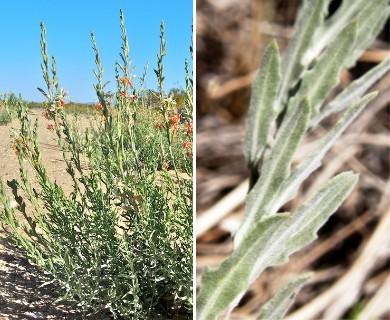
point(318, 82)
point(371, 22)
point(269, 242)
point(349, 10)
point(261, 112)
point(290, 186)
point(278, 306)
point(310, 216)
point(309, 19)
point(276, 166)
point(355, 89)
point(222, 287)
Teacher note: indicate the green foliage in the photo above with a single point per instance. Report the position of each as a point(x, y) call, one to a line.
point(290, 98)
point(277, 307)
point(121, 241)
point(69, 107)
point(7, 108)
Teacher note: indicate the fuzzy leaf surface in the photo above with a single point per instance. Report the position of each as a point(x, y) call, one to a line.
point(310, 17)
point(278, 306)
point(349, 10)
point(269, 242)
point(371, 22)
point(355, 89)
point(225, 284)
point(276, 166)
point(290, 186)
point(309, 217)
point(261, 112)
point(318, 82)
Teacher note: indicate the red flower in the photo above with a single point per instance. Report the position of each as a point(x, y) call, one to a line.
point(50, 126)
point(62, 102)
point(189, 128)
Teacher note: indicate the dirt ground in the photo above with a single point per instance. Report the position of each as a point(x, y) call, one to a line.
point(21, 293)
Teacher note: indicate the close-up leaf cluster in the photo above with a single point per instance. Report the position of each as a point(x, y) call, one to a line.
point(289, 98)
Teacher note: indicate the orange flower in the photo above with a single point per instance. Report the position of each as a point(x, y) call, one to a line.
point(50, 126)
point(126, 81)
point(174, 119)
point(187, 146)
point(173, 122)
point(99, 106)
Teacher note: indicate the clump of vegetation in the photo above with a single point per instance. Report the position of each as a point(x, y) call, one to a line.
point(7, 108)
point(121, 242)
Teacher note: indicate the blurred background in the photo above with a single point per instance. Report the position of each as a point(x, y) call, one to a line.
point(230, 38)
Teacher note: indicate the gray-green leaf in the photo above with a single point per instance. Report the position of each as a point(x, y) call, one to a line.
point(354, 90)
point(261, 112)
point(277, 307)
point(276, 166)
point(318, 82)
point(290, 186)
point(310, 17)
point(268, 242)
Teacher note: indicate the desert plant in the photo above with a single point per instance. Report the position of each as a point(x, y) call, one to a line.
point(121, 242)
point(8, 103)
point(289, 97)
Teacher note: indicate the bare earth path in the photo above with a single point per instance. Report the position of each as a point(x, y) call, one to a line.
point(21, 294)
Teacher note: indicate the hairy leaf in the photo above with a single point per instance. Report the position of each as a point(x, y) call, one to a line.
point(318, 82)
point(277, 307)
point(224, 285)
point(371, 22)
point(269, 242)
point(355, 89)
point(276, 166)
point(310, 216)
point(326, 32)
point(261, 112)
point(290, 186)
point(308, 20)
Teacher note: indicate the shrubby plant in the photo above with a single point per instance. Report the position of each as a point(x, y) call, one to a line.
point(121, 242)
point(290, 96)
point(7, 108)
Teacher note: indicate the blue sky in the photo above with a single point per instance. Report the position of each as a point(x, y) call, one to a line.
point(69, 23)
